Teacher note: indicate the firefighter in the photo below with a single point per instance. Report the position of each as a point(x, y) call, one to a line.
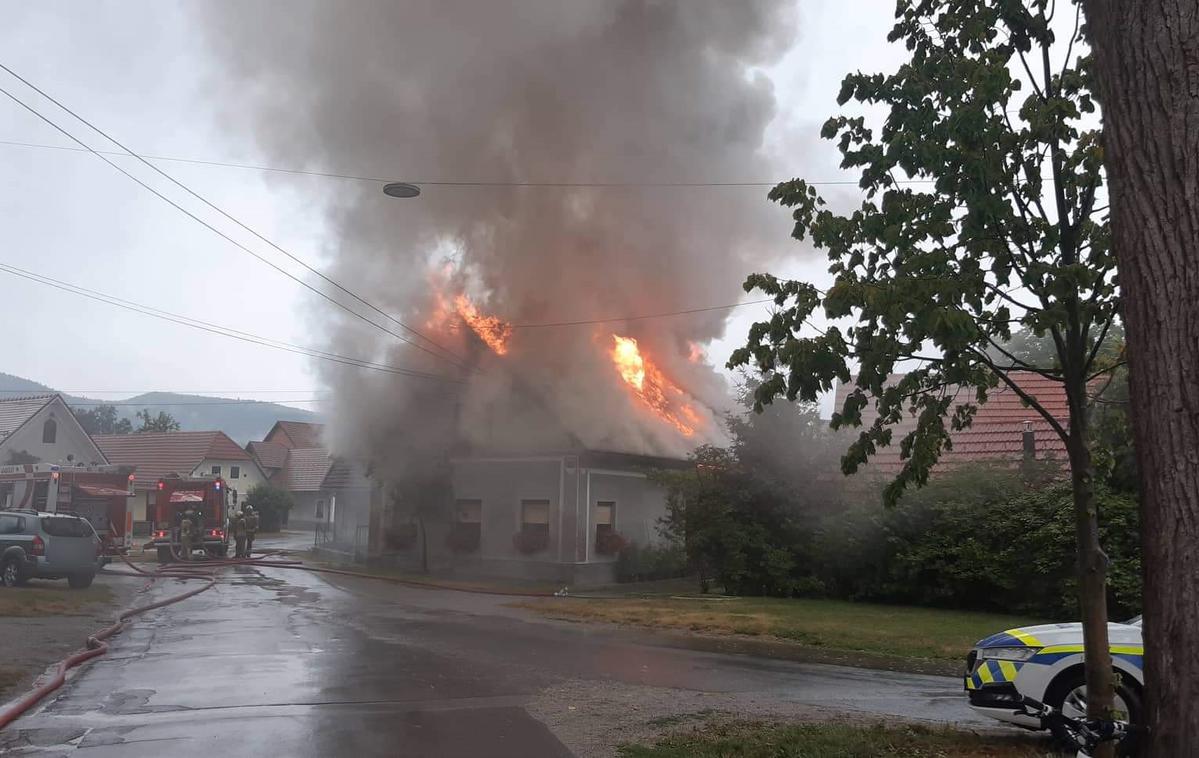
point(187, 534)
point(238, 527)
point(251, 528)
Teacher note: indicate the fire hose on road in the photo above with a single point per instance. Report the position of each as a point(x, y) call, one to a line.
point(205, 570)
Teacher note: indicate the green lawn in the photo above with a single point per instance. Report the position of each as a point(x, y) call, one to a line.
point(833, 625)
point(40, 598)
point(835, 741)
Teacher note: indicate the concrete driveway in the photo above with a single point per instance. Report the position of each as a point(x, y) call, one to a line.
point(287, 663)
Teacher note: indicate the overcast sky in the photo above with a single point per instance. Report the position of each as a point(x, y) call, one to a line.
point(140, 71)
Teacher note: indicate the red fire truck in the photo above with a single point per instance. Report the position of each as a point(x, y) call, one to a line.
point(205, 495)
point(98, 493)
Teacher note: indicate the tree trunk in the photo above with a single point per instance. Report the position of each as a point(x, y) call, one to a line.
point(1092, 573)
point(1147, 62)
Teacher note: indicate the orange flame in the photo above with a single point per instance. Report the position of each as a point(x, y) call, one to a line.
point(494, 331)
point(652, 387)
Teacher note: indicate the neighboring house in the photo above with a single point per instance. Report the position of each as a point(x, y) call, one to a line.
point(42, 429)
point(302, 476)
point(343, 510)
point(999, 433)
point(293, 458)
point(295, 434)
point(544, 517)
point(160, 454)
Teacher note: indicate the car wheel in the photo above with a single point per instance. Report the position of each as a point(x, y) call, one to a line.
point(10, 573)
point(1069, 695)
point(80, 581)
point(164, 555)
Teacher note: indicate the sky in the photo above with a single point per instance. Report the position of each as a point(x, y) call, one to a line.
point(140, 71)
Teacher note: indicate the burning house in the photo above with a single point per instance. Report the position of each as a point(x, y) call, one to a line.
point(541, 304)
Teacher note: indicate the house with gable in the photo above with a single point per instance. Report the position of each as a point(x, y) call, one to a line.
point(161, 454)
point(293, 457)
point(42, 429)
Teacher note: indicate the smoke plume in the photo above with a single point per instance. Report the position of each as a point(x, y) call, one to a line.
point(622, 92)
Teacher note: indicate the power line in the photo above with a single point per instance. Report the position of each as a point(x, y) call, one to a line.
point(421, 182)
point(221, 211)
point(173, 405)
point(453, 359)
point(640, 318)
point(218, 329)
point(166, 392)
point(449, 182)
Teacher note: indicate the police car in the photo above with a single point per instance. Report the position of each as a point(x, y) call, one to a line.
point(1045, 663)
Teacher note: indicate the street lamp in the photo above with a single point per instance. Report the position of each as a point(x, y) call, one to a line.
point(401, 190)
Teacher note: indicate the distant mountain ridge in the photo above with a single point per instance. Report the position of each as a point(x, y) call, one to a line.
point(241, 421)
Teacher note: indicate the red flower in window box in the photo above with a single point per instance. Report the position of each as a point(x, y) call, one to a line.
point(529, 541)
point(610, 543)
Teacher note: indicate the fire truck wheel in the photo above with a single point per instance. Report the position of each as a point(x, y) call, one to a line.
point(80, 581)
point(164, 555)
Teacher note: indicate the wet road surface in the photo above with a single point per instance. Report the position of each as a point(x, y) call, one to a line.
point(286, 663)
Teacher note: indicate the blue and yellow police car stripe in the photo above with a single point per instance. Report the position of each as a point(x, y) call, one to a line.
point(993, 672)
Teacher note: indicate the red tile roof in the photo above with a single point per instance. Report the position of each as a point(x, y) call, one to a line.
point(305, 470)
point(345, 474)
point(157, 454)
point(14, 412)
point(270, 455)
point(296, 434)
point(997, 432)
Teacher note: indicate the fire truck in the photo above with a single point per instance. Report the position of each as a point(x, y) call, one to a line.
point(99, 494)
point(207, 496)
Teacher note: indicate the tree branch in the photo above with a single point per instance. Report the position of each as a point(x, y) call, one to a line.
point(1090, 361)
point(1027, 398)
point(1021, 365)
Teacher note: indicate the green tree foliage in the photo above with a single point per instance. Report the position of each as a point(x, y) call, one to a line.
point(102, 419)
point(984, 538)
point(272, 503)
point(1003, 229)
point(744, 514)
point(163, 422)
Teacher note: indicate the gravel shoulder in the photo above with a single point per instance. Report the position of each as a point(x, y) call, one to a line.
point(44, 621)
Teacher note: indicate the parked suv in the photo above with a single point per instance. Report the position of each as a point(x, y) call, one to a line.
point(37, 545)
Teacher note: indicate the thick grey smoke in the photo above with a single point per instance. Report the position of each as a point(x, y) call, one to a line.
point(604, 91)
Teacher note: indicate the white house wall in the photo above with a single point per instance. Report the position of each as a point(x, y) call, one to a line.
point(502, 485)
point(639, 505)
point(573, 492)
point(249, 475)
point(70, 439)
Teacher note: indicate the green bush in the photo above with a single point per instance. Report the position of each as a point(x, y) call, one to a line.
point(982, 539)
point(272, 503)
point(646, 563)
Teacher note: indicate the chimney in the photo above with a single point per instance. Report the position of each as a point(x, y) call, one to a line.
point(1030, 442)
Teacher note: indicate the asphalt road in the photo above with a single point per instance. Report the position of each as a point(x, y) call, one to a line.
point(286, 663)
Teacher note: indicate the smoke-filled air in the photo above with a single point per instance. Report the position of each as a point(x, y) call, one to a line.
point(625, 93)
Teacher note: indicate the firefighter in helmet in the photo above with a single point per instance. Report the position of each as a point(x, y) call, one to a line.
point(237, 526)
point(251, 527)
point(187, 533)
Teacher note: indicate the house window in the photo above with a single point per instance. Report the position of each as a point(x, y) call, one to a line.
point(535, 516)
point(49, 431)
point(605, 520)
point(235, 472)
point(469, 511)
point(320, 510)
point(216, 470)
